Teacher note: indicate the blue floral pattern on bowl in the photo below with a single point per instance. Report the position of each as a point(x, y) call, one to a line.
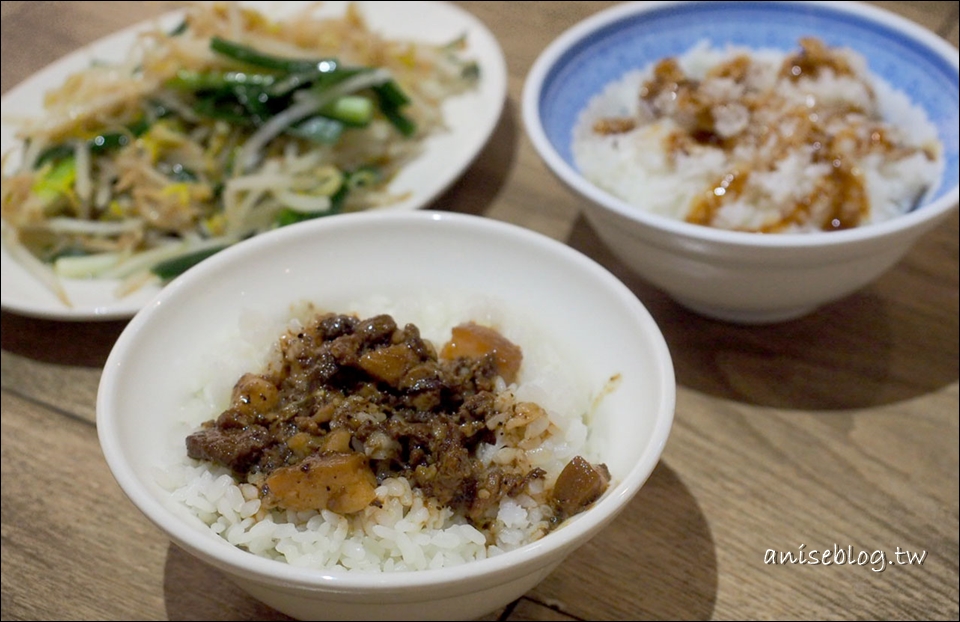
point(896, 50)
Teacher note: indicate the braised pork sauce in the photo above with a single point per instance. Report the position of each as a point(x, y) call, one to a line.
point(354, 401)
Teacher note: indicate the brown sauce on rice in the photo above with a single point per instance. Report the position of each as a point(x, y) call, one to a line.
point(767, 126)
point(352, 402)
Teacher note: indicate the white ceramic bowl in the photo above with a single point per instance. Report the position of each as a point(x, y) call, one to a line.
point(599, 325)
point(740, 276)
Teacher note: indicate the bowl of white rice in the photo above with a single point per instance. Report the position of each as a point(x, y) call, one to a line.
point(588, 381)
point(753, 160)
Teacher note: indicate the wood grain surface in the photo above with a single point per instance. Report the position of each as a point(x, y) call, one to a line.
point(838, 430)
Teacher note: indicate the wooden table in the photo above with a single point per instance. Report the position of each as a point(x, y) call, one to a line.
point(838, 430)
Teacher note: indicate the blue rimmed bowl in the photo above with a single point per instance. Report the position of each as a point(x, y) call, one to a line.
point(740, 276)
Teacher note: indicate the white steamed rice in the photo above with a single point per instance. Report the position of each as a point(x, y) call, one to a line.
point(634, 165)
point(401, 532)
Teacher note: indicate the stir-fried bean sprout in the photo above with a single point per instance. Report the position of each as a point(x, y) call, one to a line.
point(228, 126)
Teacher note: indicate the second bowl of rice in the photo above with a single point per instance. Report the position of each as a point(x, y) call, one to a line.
point(754, 160)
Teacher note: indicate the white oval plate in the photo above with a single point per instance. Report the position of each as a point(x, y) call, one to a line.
point(472, 118)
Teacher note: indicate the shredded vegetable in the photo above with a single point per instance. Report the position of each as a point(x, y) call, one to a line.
point(228, 126)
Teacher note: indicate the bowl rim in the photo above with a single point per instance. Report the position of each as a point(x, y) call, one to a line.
point(492, 570)
point(599, 199)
